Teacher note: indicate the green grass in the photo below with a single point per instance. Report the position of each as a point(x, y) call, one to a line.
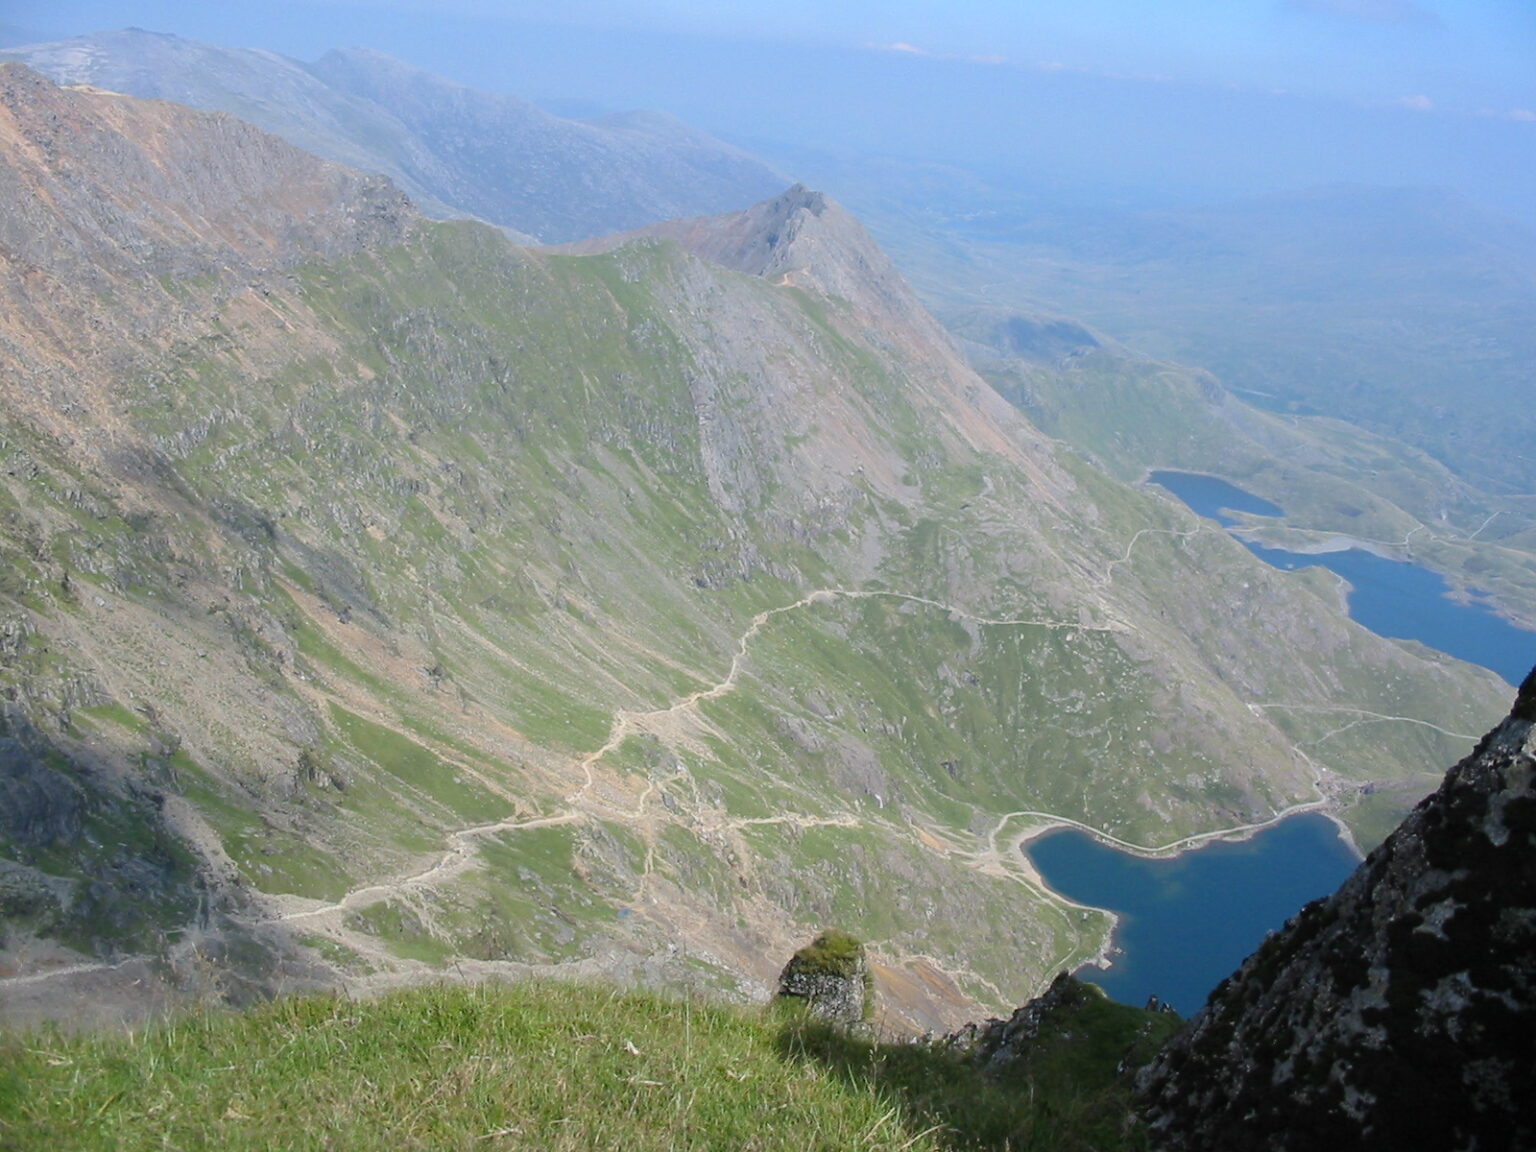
point(538, 1066)
point(413, 765)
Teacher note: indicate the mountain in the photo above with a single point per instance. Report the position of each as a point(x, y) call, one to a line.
point(1396, 1013)
point(801, 239)
point(457, 151)
point(383, 598)
point(1407, 312)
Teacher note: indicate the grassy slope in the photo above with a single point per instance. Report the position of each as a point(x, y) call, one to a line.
point(551, 1067)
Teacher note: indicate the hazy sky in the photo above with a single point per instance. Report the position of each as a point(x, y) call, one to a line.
point(1211, 96)
point(1468, 55)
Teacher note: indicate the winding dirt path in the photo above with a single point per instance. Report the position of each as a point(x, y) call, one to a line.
point(457, 859)
point(66, 970)
point(1362, 717)
point(459, 856)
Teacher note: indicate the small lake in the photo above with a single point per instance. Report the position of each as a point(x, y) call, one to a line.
point(1186, 922)
point(1392, 598)
point(1213, 497)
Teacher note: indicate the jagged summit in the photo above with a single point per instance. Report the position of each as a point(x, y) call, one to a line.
point(768, 239)
point(801, 238)
point(1399, 1012)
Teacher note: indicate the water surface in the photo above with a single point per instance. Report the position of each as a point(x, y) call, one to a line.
point(1406, 602)
point(1188, 921)
point(1393, 598)
point(1213, 497)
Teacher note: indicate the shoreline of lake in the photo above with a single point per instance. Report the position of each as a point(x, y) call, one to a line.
point(1104, 958)
point(1134, 959)
point(1383, 587)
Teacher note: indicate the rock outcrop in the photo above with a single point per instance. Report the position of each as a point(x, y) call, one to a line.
point(995, 1043)
point(831, 978)
point(1398, 1013)
point(1069, 1013)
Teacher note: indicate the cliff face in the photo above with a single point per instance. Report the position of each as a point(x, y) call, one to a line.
point(1398, 1013)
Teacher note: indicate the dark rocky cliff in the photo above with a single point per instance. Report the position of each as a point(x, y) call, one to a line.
point(1398, 1013)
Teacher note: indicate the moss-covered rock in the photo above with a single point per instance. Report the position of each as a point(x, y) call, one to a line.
point(831, 978)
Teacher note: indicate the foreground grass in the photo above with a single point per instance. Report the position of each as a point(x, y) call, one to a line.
point(527, 1067)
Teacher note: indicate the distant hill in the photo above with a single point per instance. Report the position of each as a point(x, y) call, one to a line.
point(1407, 312)
point(456, 151)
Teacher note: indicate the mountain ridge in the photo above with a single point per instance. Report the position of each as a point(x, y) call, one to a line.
point(456, 150)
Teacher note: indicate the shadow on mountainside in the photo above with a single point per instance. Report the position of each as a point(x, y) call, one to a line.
point(1068, 1094)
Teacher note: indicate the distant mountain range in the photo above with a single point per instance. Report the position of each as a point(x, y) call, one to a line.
point(456, 151)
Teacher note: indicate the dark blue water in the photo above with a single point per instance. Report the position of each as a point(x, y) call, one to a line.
point(1208, 496)
point(1390, 597)
point(1189, 921)
point(1401, 600)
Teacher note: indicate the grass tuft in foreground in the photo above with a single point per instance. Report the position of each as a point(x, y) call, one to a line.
point(528, 1067)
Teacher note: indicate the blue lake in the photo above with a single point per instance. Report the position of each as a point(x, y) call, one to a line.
point(1390, 597)
point(1212, 497)
point(1188, 921)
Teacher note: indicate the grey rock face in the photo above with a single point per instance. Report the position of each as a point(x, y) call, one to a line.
point(39, 807)
point(831, 977)
point(1398, 1013)
point(995, 1044)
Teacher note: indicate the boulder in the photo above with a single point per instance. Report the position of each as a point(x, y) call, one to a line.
point(831, 978)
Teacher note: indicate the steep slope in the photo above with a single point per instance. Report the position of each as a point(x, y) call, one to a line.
point(456, 150)
point(423, 599)
point(1397, 1013)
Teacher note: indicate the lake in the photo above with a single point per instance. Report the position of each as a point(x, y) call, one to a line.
point(1188, 921)
point(1213, 497)
point(1393, 598)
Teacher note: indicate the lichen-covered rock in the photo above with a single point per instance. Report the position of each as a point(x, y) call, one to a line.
point(995, 1043)
point(1399, 1012)
point(831, 978)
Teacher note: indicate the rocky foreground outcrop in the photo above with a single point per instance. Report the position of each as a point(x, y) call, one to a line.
point(1398, 1013)
point(830, 976)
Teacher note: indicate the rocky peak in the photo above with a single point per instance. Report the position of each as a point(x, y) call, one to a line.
point(1399, 1012)
point(800, 238)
